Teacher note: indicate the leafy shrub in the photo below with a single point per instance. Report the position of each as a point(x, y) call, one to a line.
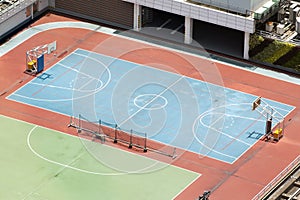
point(294, 62)
point(259, 48)
point(273, 51)
point(288, 56)
point(255, 40)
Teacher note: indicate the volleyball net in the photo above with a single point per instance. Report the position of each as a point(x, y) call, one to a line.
point(104, 131)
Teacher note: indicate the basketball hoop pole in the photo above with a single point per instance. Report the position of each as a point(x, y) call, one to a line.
point(270, 114)
point(35, 58)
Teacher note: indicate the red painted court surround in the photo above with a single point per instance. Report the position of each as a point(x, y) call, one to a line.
point(241, 180)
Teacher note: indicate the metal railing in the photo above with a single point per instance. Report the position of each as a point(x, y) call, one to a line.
point(277, 179)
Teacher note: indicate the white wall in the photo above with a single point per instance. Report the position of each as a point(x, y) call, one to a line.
point(14, 9)
point(202, 13)
point(43, 4)
point(235, 5)
point(14, 20)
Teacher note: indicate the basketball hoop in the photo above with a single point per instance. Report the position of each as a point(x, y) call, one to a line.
point(271, 115)
point(35, 58)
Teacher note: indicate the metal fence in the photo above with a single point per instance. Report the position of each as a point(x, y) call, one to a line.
point(277, 179)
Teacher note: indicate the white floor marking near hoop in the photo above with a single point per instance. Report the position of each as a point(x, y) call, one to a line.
point(102, 86)
point(199, 119)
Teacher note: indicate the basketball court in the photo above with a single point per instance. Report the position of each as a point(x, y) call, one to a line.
point(208, 121)
point(98, 87)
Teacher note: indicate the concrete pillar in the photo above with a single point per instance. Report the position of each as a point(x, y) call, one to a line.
point(246, 45)
point(31, 11)
point(137, 17)
point(188, 31)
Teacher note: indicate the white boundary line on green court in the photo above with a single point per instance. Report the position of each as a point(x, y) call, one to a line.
point(61, 164)
point(183, 189)
point(97, 173)
point(82, 170)
point(85, 171)
point(35, 126)
point(68, 166)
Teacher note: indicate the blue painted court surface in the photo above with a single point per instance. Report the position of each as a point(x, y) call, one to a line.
point(183, 112)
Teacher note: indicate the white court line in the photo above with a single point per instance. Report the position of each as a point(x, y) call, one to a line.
point(183, 189)
point(86, 57)
point(92, 92)
point(211, 149)
point(153, 99)
point(209, 112)
point(277, 108)
point(174, 31)
point(50, 86)
point(75, 70)
point(170, 73)
point(239, 116)
point(182, 76)
point(222, 115)
point(87, 83)
point(151, 108)
point(191, 78)
point(165, 23)
point(223, 133)
point(56, 25)
point(30, 32)
point(173, 49)
point(61, 164)
point(92, 172)
point(73, 136)
point(97, 173)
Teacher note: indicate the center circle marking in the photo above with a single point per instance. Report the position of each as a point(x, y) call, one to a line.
point(148, 99)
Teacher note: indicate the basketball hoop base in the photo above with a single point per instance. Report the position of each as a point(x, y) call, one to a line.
point(271, 115)
point(30, 72)
point(35, 58)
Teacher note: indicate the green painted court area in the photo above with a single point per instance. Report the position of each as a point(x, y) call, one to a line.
point(43, 164)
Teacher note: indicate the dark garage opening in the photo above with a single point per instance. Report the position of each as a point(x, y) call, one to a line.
point(158, 18)
point(162, 24)
point(212, 37)
point(218, 38)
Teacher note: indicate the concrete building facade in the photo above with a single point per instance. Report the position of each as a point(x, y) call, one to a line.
point(238, 18)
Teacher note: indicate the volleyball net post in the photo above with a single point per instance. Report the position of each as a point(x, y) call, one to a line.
point(109, 131)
